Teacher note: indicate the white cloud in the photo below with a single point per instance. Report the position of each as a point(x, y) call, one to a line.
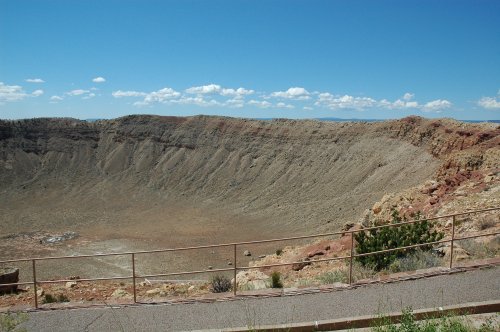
point(436, 105)
point(77, 92)
point(292, 93)
point(490, 103)
point(90, 95)
point(260, 104)
point(55, 99)
point(120, 94)
point(198, 100)
point(345, 101)
point(408, 96)
point(205, 89)
point(335, 102)
point(240, 92)
point(283, 105)
point(398, 104)
point(10, 93)
point(217, 89)
point(235, 102)
point(37, 93)
point(307, 108)
point(34, 80)
point(85, 94)
point(99, 79)
point(161, 96)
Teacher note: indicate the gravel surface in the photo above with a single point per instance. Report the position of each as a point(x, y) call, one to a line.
point(472, 286)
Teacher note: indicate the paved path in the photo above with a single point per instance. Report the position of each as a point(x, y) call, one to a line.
point(432, 292)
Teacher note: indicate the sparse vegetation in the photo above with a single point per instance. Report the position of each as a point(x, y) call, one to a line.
point(478, 250)
point(49, 298)
point(393, 237)
point(444, 324)
point(220, 284)
point(10, 321)
point(333, 277)
point(487, 222)
point(279, 252)
point(276, 280)
point(418, 260)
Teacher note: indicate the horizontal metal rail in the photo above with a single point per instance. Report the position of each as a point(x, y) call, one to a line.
point(236, 268)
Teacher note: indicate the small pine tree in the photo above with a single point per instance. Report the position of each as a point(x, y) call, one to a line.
point(276, 280)
point(386, 238)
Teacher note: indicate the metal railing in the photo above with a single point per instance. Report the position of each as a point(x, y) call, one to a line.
point(133, 255)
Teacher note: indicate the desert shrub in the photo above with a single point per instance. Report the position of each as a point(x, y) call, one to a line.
point(444, 324)
point(386, 238)
point(490, 325)
point(360, 272)
point(276, 280)
point(10, 321)
point(418, 260)
point(49, 298)
point(62, 298)
point(305, 282)
point(279, 252)
point(478, 249)
point(333, 276)
point(487, 222)
point(220, 284)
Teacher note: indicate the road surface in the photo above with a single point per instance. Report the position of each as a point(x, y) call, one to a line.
point(472, 286)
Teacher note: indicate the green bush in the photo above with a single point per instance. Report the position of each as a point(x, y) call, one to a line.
point(276, 280)
point(279, 252)
point(220, 284)
point(49, 298)
point(386, 238)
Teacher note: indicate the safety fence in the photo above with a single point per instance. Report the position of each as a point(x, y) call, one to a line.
point(134, 257)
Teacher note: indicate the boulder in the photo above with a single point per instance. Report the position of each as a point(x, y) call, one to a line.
point(70, 284)
point(299, 266)
point(120, 293)
point(257, 284)
point(153, 292)
point(251, 279)
point(458, 252)
point(247, 253)
point(8, 275)
point(377, 208)
point(317, 252)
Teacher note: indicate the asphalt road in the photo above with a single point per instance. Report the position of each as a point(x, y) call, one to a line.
point(432, 292)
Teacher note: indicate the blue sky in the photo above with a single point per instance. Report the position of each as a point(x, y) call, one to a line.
point(295, 59)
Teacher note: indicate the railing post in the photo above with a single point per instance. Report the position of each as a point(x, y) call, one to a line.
point(351, 257)
point(235, 284)
point(452, 240)
point(133, 277)
point(34, 283)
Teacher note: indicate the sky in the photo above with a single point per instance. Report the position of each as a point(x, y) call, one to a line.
point(253, 59)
